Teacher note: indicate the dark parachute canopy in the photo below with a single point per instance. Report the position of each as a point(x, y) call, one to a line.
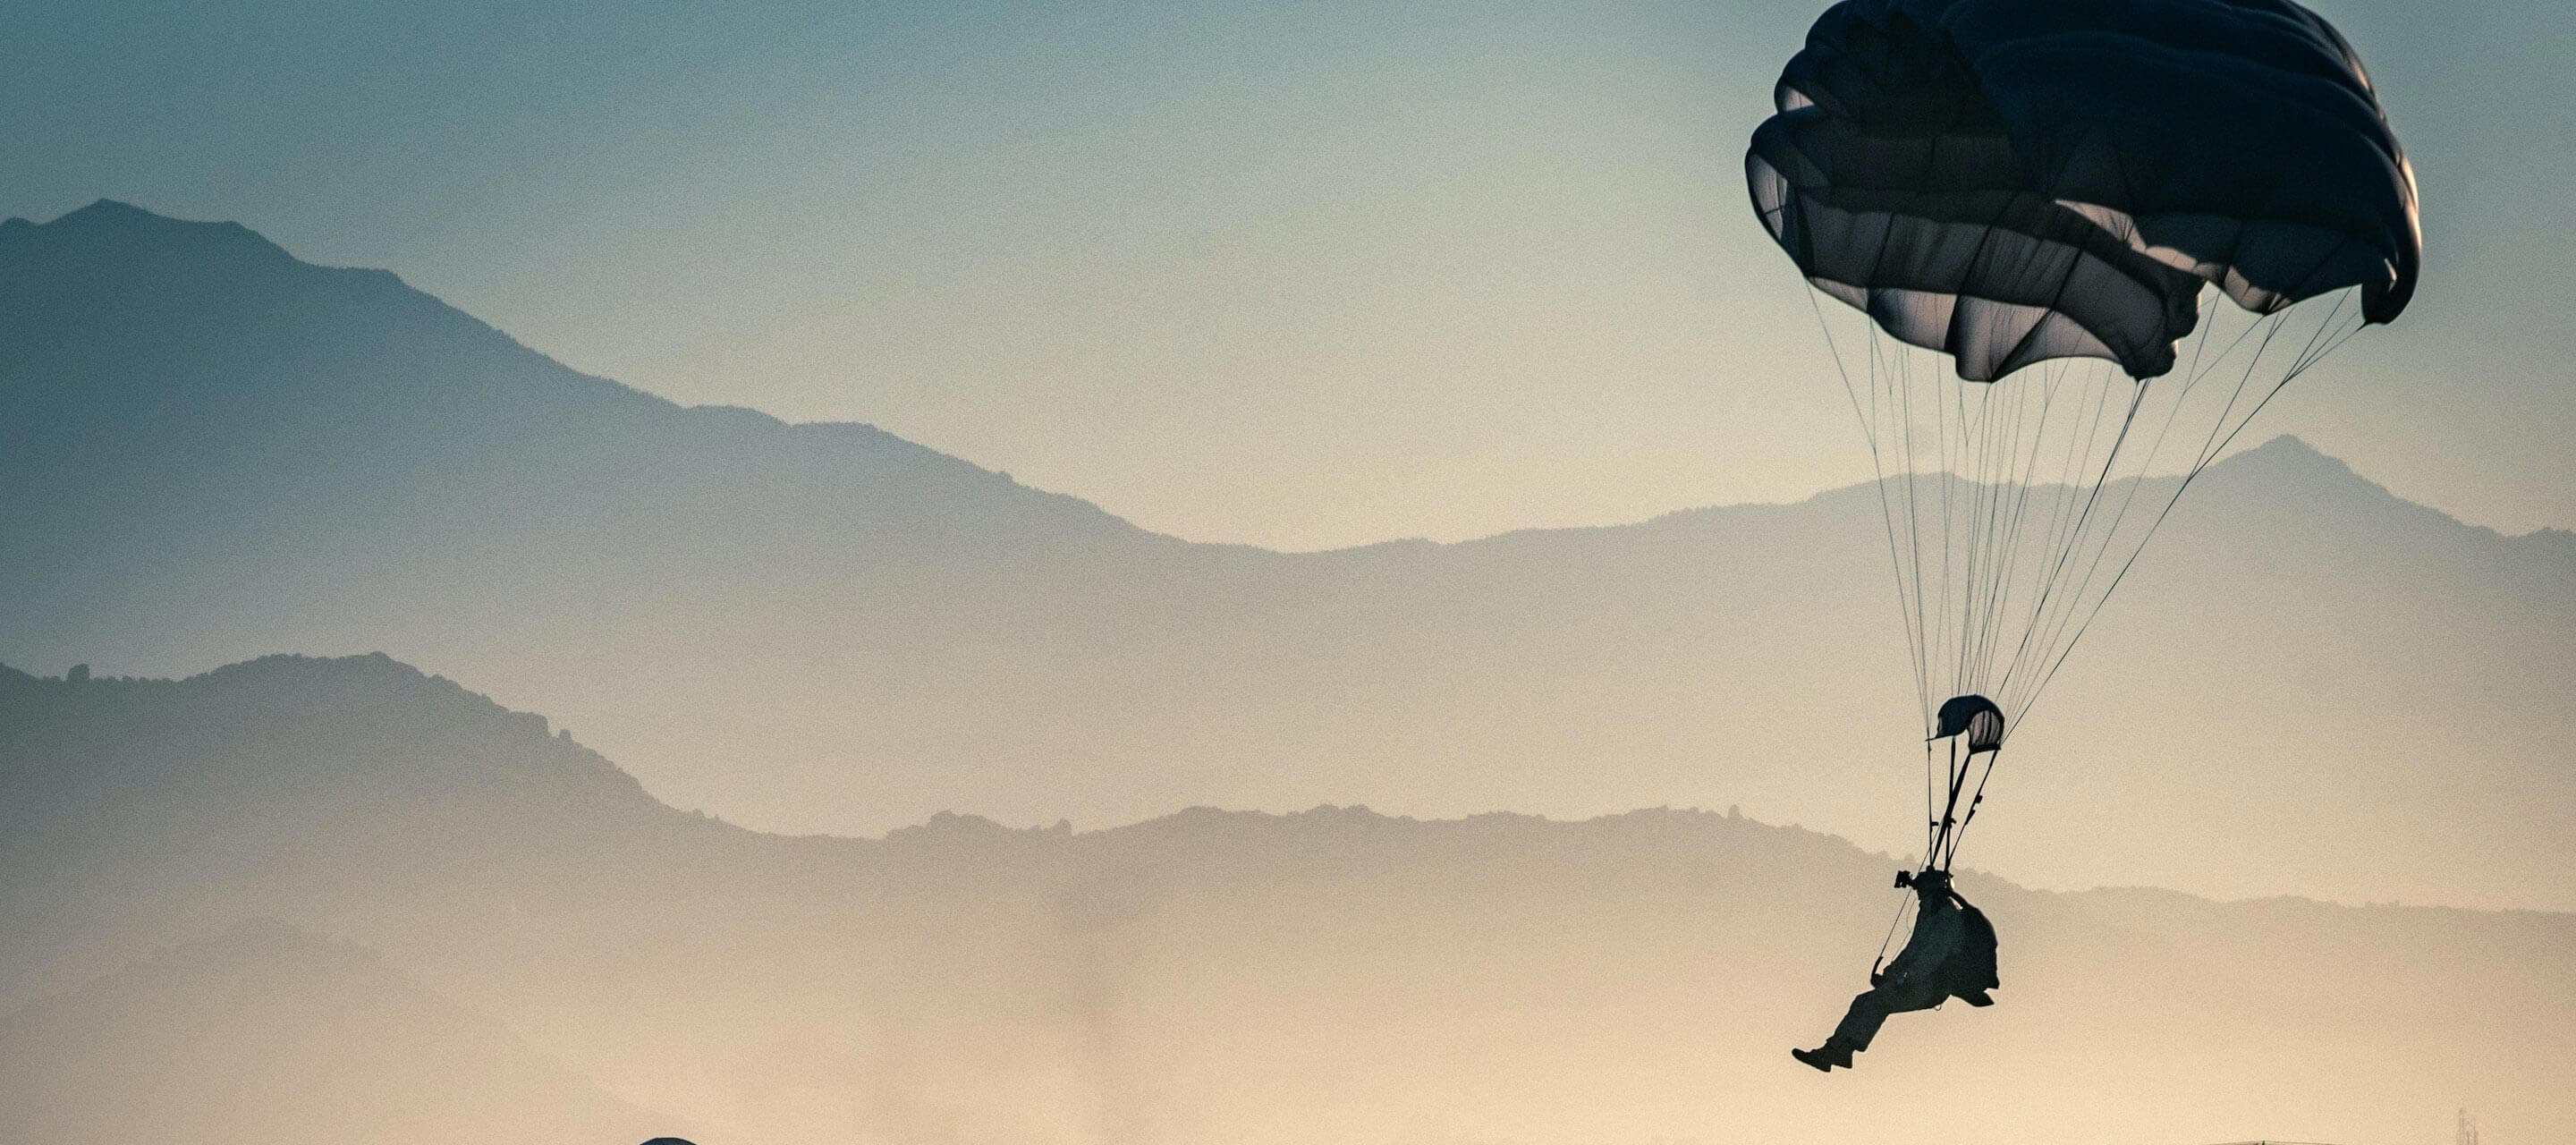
point(2026, 202)
point(2010, 181)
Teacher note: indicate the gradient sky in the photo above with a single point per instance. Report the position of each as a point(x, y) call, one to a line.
point(1294, 274)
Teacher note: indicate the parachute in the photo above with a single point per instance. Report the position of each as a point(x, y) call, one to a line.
point(2033, 210)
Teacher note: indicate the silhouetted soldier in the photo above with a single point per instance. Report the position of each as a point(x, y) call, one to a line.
point(1951, 954)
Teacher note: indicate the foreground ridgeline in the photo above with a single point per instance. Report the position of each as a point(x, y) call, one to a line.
point(343, 877)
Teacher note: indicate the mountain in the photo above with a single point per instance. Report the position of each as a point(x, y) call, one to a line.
point(1324, 976)
point(266, 1035)
point(216, 450)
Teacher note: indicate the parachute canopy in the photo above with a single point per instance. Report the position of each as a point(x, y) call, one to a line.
point(2038, 194)
point(2014, 181)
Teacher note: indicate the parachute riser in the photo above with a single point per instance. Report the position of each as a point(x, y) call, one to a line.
point(1951, 824)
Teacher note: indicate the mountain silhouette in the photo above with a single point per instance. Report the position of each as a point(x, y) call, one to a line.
point(266, 1035)
point(218, 451)
point(1333, 974)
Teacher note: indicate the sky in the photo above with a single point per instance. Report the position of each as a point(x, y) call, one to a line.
point(1297, 274)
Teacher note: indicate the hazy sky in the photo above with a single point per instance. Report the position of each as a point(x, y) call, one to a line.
point(1298, 274)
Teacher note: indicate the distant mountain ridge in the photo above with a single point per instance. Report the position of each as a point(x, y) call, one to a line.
point(220, 451)
point(1326, 976)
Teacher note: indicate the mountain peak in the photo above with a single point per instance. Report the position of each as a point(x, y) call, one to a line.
point(129, 229)
point(112, 212)
point(2290, 459)
point(2291, 449)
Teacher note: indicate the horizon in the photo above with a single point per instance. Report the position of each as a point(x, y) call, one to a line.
point(681, 751)
point(726, 718)
point(1064, 828)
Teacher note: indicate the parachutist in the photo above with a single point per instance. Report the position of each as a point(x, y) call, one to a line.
point(1951, 954)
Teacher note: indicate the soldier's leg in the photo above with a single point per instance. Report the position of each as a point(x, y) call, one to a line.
point(1860, 1024)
